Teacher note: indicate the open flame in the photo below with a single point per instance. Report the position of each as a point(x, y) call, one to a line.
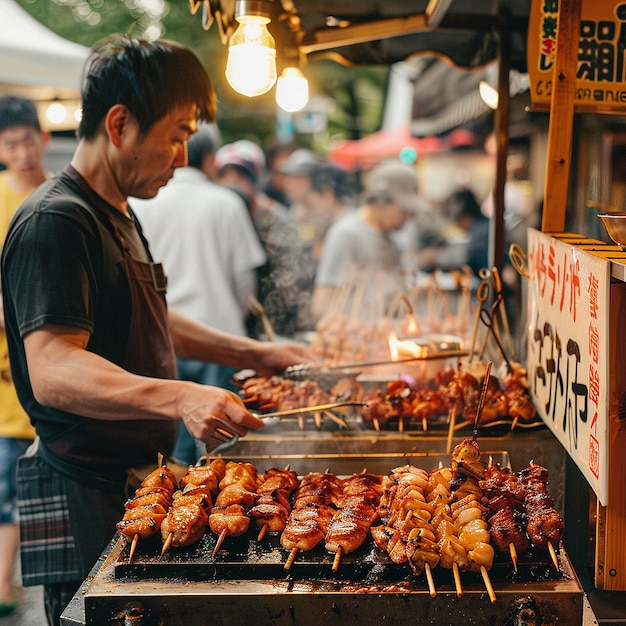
point(405, 348)
point(413, 326)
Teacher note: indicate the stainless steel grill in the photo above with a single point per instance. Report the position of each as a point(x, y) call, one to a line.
point(247, 582)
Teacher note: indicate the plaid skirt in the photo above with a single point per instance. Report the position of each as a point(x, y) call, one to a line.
point(64, 524)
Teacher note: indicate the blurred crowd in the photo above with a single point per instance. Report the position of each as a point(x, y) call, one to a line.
point(278, 242)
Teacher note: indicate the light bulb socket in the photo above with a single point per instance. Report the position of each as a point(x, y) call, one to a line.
point(252, 7)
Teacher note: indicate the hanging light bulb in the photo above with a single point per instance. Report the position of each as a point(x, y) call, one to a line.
point(488, 94)
point(292, 90)
point(251, 65)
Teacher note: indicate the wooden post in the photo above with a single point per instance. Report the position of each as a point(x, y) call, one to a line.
point(561, 117)
point(610, 556)
point(496, 230)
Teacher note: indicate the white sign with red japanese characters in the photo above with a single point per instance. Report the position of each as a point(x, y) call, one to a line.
point(568, 350)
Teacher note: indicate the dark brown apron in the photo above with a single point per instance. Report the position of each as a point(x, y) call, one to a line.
point(112, 446)
point(61, 535)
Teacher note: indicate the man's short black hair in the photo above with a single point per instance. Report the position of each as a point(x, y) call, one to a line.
point(16, 111)
point(149, 78)
point(198, 146)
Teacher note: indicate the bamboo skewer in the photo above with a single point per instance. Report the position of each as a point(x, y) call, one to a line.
point(488, 585)
point(513, 553)
point(482, 293)
point(133, 548)
point(167, 543)
point(553, 556)
point(337, 559)
point(291, 558)
point(452, 417)
point(457, 580)
point(220, 541)
point(331, 416)
point(431, 583)
point(262, 532)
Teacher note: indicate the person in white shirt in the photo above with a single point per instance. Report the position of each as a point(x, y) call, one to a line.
point(203, 235)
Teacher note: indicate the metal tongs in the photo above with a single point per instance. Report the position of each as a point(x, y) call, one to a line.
point(308, 371)
point(230, 437)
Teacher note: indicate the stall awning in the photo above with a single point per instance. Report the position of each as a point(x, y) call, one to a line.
point(388, 31)
point(34, 61)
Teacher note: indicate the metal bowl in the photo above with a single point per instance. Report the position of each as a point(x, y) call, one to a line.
point(615, 224)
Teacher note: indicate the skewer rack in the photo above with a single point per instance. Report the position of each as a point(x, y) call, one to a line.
point(247, 578)
point(178, 600)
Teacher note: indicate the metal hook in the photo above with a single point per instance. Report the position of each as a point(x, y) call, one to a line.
point(488, 320)
point(517, 257)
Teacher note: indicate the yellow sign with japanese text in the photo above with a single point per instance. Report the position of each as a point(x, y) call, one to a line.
point(601, 70)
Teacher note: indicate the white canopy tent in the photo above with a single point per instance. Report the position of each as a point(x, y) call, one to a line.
point(36, 62)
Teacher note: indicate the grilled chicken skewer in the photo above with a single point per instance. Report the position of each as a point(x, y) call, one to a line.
point(358, 509)
point(407, 534)
point(145, 512)
point(314, 506)
point(228, 517)
point(187, 517)
point(272, 508)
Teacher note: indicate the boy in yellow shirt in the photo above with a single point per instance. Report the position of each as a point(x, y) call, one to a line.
point(22, 145)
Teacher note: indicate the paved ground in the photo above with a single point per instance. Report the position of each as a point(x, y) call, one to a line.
point(31, 611)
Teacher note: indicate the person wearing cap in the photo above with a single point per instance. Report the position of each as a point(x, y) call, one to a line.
point(358, 247)
point(286, 279)
point(276, 154)
point(210, 252)
point(296, 171)
point(333, 193)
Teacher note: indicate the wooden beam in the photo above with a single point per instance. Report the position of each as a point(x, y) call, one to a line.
point(561, 117)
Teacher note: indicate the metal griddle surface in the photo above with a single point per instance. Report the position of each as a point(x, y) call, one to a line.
point(245, 558)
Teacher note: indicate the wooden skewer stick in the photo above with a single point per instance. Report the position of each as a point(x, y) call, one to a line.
point(401, 423)
point(482, 293)
point(514, 422)
point(331, 416)
point(431, 583)
point(495, 274)
point(220, 541)
point(457, 580)
point(301, 422)
point(133, 548)
point(337, 559)
point(424, 423)
point(553, 556)
point(291, 558)
point(481, 401)
point(262, 532)
point(452, 418)
point(167, 543)
point(513, 553)
point(376, 424)
point(317, 418)
point(463, 424)
point(488, 585)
